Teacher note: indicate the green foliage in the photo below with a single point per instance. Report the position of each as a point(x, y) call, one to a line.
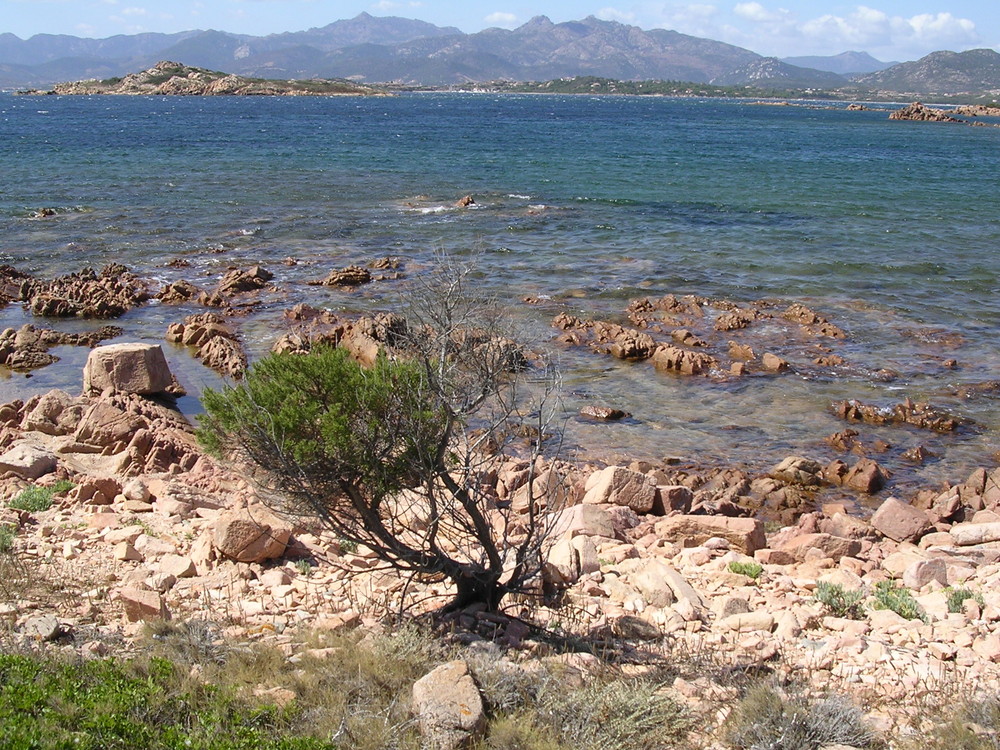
point(889, 595)
point(106, 704)
point(613, 714)
point(32, 499)
point(840, 602)
point(327, 414)
point(62, 485)
point(304, 568)
point(767, 720)
point(748, 569)
point(957, 597)
point(7, 534)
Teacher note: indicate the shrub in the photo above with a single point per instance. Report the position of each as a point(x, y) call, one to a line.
point(749, 569)
point(396, 456)
point(7, 534)
point(840, 602)
point(32, 499)
point(974, 726)
point(889, 595)
point(766, 720)
point(957, 597)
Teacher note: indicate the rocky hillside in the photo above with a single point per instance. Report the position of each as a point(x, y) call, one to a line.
point(175, 79)
point(977, 70)
point(846, 63)
point(772, 72)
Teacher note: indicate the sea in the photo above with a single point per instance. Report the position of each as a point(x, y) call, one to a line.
point(890, 230)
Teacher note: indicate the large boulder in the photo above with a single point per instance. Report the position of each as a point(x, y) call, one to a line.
point(448, 707)
point(745, 534)
point(900, 521)
point(127, 368)
point(27, 460)
point(617, 485)
point(251, 534)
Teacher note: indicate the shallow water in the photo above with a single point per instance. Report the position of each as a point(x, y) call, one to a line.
point(888, 229)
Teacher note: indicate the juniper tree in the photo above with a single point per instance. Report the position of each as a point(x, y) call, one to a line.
point(397, 456)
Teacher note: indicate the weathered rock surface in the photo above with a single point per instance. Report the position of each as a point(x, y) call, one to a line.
point(27, 348)
point(899, 521)
point(215, 343)
point(127, 368)
point(746, 534)
point(922, 113)
point(448, 707)
point(251, 534)
point(108, 294)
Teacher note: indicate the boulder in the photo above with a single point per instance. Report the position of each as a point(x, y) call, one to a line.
point(27, 460)
point(141, 604)
point(967, 534)
point(582, 520)
point(831, 546)
point(448, 707)
point(900, 521)
point(127, 368)
point(797, 470)
point(620, 486)
point(744, 534)
point(250, 534)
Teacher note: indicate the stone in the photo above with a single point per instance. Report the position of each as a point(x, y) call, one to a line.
point(920, 573)
point(27, 460)
point(42, 627)
point(250, 535)
point(745, 534)
point(672, 498)
point(582, 520)
point(773, 363)
point(831, 546)
point(900, 521)
point(125, 552)
point(127, 368)
point(448, 707)
point(143, 605)
point(178, 566)
point(651, 580)
point(797, 470)
point(967, 534)
point(617, 485)
point(748, 621)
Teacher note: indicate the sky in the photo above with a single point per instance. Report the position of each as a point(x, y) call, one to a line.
point(891, 30)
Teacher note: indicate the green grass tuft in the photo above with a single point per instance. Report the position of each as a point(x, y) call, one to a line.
point(840, 602)
point(748, 569)
point(32, 499)
point(957, 597)
point(889, 595)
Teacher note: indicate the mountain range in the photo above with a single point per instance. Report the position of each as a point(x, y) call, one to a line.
point(389, 49)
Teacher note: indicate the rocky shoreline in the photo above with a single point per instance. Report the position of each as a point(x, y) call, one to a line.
point(168, 78)
point(144, 525)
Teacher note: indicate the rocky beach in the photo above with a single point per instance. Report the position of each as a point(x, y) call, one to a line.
point(673, 559)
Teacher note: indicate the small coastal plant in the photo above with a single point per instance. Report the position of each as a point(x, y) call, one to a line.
point(890, 595)
point(840, 601)
point(748, 569)
point(7, 534)
point(32, 499)
point(957, 597)
point(767, 719)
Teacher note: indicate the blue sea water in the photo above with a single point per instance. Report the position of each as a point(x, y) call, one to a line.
point(889, 229)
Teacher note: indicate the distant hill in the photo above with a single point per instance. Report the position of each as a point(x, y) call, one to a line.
point(846, 63)
point(374, 49)
point(174, 79)
point(977, 70)
point(773, 73)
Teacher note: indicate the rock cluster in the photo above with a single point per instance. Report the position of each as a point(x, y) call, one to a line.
point(87, 294)
point(27, 348)
point(215, 343)
point(922, 113)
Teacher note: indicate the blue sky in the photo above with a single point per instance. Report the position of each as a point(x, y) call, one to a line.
point(888, 29)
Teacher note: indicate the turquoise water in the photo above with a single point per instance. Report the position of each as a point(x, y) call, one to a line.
point(889, 229)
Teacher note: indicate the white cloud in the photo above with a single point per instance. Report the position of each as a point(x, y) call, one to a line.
point(501, 19)
point(757, 13)
point(698, 19)
point(134, 12)
point(614, 14)
point(779, 31)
